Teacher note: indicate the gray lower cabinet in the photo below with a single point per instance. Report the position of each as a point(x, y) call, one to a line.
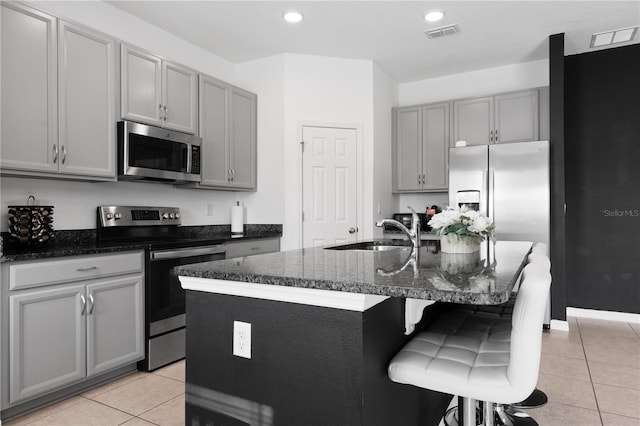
point(228, 128)
point(158, 92)
point(420, 147)
point(252, 247)
point(509, 117)
point(68, 320)
point(58, 97)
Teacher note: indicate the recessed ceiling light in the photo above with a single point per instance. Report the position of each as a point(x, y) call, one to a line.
point(434, 16)
point(292, 16)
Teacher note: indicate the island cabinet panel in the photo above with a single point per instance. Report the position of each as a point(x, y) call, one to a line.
point(309, 365)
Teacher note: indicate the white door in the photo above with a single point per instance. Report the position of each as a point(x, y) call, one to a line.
point(329, 196)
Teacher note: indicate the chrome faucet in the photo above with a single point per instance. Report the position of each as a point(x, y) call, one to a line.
point(413, 233)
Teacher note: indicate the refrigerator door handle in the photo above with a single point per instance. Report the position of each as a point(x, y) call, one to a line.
point(492, 195)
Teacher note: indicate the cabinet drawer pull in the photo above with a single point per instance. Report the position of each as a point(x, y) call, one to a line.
point(84, 304)
point(89, 268)
point(90, 304)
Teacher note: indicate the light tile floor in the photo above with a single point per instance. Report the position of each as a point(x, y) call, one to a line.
point(590, 374)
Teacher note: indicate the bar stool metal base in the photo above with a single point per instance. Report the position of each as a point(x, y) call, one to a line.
point(506, 415)
point(536, 399)
point(489, 415)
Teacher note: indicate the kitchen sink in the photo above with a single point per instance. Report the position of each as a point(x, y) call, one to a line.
point(371, 246)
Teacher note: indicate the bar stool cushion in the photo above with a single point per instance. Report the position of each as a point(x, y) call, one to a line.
point(462, 358)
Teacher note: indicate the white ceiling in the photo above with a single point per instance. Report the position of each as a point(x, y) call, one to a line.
point(391, 33)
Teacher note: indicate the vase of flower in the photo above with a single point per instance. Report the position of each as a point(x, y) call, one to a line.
point(459, 246)
point(461, 230)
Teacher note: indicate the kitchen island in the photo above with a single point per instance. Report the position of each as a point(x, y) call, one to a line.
point(324, 325)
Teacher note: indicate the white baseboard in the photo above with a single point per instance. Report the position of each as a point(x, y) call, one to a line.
point(603, 315)
point(559, 325)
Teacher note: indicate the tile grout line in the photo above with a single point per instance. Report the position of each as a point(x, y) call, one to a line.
point(593, 388)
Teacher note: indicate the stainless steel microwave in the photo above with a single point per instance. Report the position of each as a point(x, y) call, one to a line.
point(155, 154)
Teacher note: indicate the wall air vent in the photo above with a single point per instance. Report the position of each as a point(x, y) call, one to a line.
point(442, 31)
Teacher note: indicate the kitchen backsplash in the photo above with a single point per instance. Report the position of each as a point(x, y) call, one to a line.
point(75, 202)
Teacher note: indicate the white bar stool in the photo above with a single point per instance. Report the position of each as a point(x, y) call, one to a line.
point(472, 365)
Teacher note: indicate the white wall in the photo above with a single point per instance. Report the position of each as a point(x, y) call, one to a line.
point(328, 91)
point(265, 77)
point(385, 97)
point(75, 202)
point(467, 85)
point(472, 84)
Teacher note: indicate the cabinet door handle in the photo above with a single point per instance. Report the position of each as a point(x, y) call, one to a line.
point(424, 179)
point(496, 136)
point(90, 304)
point(55, 154)
point(84, 304)
point(419, 179)
point(490, 135)
point(64, 155)
point(161, 114)
point(233, 174)
point(89, 268)
point(166, 113)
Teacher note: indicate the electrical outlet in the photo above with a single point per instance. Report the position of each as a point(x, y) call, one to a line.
point(242, 339)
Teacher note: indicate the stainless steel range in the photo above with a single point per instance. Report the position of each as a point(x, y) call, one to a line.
point(157, 229)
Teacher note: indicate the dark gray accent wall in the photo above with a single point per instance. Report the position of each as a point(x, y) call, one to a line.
point(602, 172)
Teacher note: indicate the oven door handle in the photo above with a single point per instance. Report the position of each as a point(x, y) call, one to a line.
point(187, 252)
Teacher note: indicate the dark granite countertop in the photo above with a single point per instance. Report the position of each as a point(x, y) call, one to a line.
point(83, 242)
point(486, 277)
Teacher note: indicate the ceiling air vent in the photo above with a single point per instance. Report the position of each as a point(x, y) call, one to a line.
point(442, 31)
point(613, 37)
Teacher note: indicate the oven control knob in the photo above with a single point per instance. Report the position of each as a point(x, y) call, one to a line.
point(177, 215)
point(117, 216)
point(165, 215)
point(109, 216)
point(172, 216)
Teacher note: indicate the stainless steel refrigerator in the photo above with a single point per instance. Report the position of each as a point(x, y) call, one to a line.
point(507, 182)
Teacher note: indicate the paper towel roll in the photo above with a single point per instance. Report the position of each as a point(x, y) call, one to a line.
point(237, 219)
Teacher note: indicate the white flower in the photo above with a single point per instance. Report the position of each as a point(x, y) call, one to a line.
point(444, 219)
point(480, 224)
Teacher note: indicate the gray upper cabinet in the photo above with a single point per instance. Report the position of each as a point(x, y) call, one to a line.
point(422, 137)
point(58, 97)
point(243, 139)
point(228, 127)
point(517, 117)
point(214, 131)
point(157, 92)
point(29, 89)
point(510, 117)
point(87, 102)
point(473, 121)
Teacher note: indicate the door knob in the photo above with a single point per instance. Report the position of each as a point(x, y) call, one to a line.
point(353, 230)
